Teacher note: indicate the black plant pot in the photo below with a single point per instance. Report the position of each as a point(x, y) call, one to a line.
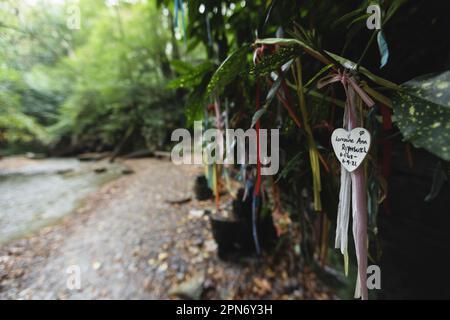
point(234, 236)
point(201, 189)
point(242, 209)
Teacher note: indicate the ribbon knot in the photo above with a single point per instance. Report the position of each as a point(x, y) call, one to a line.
point(346, 79)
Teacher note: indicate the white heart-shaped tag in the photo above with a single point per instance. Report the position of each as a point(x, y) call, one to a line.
point(350, 147)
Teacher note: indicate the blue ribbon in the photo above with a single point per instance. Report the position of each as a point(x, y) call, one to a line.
point(208, 30)
point(178, 4)
point(255, 208)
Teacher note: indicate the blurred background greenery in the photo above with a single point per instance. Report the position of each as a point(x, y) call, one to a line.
point(71, 90)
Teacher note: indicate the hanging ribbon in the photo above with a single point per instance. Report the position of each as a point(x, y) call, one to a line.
point(256, 201)
point(220, 143)
point(208, 168)
point(352, 184)
point(347, 81)
point(226, 173)
point(178, 5)
point(256, 193)
point(208, 30)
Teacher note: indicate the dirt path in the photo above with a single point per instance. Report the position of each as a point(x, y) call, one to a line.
point(130, 243)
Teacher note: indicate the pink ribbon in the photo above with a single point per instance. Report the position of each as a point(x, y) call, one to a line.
point(346, 79)
point(357, 185)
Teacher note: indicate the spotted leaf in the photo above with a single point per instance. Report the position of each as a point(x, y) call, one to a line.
point(422, 113)
point(233, 66)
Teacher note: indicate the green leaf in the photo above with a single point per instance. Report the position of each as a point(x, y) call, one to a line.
point(346, 17)
point(21, 127)
point(280, 41)
point(422, 113)
point(271, 94)
point(275, 61)
point(192, 77)
point(269, 8)
point(273, 90)
point(318, 74)
point(196, 101)
point(194, 108)
point(257, 115)
point(234, 65)
point(293, 166)
point(341, 60)
point(360, 18)
point(181, 66)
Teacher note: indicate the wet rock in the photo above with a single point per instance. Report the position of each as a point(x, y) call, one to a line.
point(100, 170)
point(142, 153)
point(191, 288)
point(64, 171)
point(178, 201)
point(92, 156)
point(127, 171)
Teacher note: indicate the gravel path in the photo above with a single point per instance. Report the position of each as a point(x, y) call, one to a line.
point(131, 243)
point(112, 247)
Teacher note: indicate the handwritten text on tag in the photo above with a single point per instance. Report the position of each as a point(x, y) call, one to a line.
point(350, 147)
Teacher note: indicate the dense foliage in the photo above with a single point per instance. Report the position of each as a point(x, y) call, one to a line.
point(89, 88)
point(297, 43)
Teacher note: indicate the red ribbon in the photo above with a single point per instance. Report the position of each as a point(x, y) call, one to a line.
point(257, 127)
